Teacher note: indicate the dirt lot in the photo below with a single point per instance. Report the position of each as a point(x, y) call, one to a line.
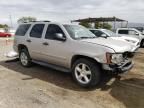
point(42, 87)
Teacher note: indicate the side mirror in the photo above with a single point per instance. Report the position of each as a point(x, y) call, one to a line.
point(60, 37)
point(104, 35)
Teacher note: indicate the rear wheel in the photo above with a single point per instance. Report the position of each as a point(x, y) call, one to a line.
point(86, 73)
point(25, 58)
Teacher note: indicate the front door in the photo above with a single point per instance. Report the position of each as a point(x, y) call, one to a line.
point(55, 51)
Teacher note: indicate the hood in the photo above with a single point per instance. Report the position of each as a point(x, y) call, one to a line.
point(116, 45)
point(132, 36)
point(131, 40)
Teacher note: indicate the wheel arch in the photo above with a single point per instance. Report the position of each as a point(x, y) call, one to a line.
point(22, 46)
point(141, 43)
point(76, 57)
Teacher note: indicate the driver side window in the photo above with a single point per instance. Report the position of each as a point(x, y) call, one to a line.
point(52, 30)
point(132, 32)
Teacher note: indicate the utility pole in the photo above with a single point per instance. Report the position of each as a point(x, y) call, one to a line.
point(11, 21)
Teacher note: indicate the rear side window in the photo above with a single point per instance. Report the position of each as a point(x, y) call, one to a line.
point(123, 32)
point(22, 29)
point(37, 30)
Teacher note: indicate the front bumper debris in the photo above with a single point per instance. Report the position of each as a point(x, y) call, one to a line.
point(124, 67)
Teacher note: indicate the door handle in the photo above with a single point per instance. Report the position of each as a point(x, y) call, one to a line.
point(28, 40)
point(45, 43)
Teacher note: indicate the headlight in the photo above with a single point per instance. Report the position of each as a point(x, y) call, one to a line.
point(114, 58)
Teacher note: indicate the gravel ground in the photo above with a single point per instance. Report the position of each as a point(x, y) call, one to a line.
point(42, 87)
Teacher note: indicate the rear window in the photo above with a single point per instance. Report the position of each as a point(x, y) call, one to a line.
point(37, 30)
point(22, 29)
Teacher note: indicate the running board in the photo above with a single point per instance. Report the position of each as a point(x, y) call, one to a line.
point(59, 68)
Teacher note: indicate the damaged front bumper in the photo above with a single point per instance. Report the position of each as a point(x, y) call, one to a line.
point(124, 67)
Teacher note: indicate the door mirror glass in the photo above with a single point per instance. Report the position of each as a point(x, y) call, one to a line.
point(60, 36)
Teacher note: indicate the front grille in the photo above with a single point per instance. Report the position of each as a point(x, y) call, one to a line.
point(127, 55)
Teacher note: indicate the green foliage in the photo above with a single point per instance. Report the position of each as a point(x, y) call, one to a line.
point(107, 26)
point(97, 25)
point(4, 26)
point(85, 24)
point(103, 25)
point(26, 19)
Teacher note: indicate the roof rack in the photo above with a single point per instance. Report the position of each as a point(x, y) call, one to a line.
point(37, 21)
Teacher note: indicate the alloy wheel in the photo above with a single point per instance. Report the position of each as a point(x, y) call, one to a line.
point(83, 73)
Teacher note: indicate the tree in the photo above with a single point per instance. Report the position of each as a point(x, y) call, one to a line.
point(26, 19)
point(107, 26)
point(85, 24)
point(102, 25)
point(97, 25)
point(5, 27)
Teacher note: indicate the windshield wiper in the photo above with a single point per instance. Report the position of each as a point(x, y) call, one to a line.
point(86, 37)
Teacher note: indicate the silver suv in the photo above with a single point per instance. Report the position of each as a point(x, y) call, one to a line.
point(71, 48)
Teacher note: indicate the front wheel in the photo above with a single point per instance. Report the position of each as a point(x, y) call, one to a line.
point(86, 73)
point(142, 44)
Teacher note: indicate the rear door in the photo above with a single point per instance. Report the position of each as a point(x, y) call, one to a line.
point(34, 40)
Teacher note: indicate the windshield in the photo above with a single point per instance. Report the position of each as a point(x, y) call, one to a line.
point(78, 32)
point(110, 33)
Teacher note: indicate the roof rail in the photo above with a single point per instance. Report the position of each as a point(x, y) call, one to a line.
point(37, 21)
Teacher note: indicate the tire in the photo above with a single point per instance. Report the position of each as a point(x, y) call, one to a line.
point(142, 44)
point(91, 71)
point(25, 58)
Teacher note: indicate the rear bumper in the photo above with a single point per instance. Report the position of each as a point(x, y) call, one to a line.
point(118, 68)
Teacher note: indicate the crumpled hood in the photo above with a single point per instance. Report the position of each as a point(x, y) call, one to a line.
point(116, 45)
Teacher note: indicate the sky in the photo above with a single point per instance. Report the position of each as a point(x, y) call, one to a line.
point(67, 10)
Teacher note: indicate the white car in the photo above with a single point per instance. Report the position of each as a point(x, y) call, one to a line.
point(131, 32)
point(107, 33)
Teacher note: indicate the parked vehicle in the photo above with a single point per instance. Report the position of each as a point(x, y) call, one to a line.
point(12, 31)
point(107, 33)
point(3, 34)
point(71, 48)
point(132, 32)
